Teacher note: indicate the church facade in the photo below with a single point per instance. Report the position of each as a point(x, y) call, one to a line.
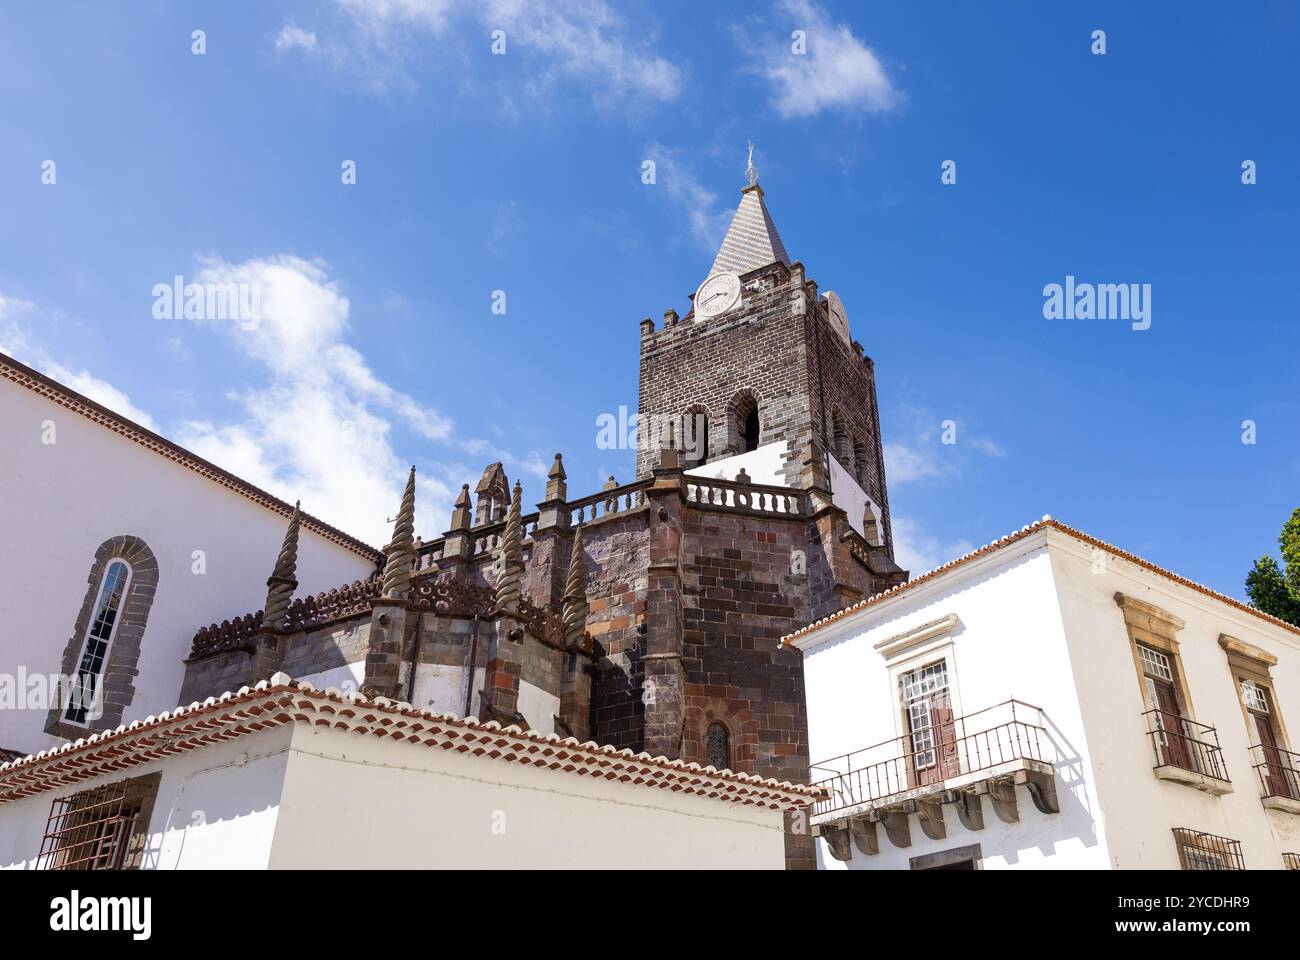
point(647, 615)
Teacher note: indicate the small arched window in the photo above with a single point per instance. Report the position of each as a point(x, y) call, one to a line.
point(744, 423)
point(85, 693)
point(717, 747)
point(840, 445)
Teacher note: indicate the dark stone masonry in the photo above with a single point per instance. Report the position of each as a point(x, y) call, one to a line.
point(689, 583)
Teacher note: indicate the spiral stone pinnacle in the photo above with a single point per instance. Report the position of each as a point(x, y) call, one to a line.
point(575, 597)
point(282, 583)
point(400, 552)
point(512, 556)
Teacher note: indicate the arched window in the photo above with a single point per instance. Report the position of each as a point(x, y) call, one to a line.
point(85, 692)
point(841, 448)
point(717, 747)
point(744, 423)
point(101, 659)
point(694, 438)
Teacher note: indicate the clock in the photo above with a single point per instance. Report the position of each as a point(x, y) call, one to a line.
point(718, 294)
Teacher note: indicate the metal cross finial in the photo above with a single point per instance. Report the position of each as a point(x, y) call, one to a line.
point(750, 173)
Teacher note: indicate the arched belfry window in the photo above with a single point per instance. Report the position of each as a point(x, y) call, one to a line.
point(717, 747)
point(841, 448)
point(744, 423)
point(101, 658)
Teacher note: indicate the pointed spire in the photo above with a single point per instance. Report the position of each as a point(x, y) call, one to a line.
point(281, 584)
point(509, 591)
point(460, 516)
point(556, 488)
point(575, 597)
point(400, 551)
point(751, 241)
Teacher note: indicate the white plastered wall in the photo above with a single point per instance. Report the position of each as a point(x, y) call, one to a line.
point(1008, 643)
point(65, 499)
point(1140, 810)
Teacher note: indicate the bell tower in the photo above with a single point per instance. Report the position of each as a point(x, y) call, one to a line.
point(763, 374)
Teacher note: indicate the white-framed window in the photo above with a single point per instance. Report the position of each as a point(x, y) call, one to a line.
point(1254, 696)
point(922, 690)
point(104, 619)
point(1155, 663)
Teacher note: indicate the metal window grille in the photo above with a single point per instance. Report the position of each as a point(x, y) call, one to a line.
point(1254, 696)
point(1205, 851)
point(86, 686)
point(94, 829)
point(1291, 861)
point(1155, 663)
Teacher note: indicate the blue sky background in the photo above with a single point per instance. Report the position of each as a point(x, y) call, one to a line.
point(522, 173)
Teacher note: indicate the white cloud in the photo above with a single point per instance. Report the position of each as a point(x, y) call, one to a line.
point(293, 37)
point(16, 340)
point(319, 427)
point(923, 456)
point(583, 40)
point(837, 71)
point(905, 463)
point(918, 552)
point(705, 217)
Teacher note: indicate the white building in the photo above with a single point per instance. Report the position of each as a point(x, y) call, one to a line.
point(286, 776)
point(92, 500)
point(1051, 701)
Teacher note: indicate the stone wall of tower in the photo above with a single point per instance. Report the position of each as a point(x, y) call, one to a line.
point(779, 344)
point(760, 345)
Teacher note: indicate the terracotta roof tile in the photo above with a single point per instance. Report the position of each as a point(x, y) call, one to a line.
point(282, 701)
point(1021, 534)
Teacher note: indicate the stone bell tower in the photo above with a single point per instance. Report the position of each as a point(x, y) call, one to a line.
point(763, 374)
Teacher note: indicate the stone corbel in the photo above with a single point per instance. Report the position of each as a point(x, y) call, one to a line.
point(1002, 793)
point(1042, 790)
point(897, 827)
point(837, 841)
point(930, 813)
point(864, 837)
point(970, 809)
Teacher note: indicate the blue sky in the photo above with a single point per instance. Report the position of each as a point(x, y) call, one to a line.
point(522, 172)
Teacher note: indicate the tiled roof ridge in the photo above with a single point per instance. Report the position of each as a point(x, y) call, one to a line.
point(65, 396)
point(1026, 531)
point(282, 700)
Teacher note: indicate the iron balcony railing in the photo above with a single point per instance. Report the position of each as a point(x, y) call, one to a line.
point(1177, 741)
point(997, 735)
point(1278, 771)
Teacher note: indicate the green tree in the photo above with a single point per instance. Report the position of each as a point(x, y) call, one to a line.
point(1273, 588)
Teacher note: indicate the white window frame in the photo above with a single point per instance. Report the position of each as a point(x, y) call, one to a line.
point(922, 694)
point(1255, 696)
point(108, 643)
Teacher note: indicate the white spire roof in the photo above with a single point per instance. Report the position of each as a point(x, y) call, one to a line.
point(751, 241)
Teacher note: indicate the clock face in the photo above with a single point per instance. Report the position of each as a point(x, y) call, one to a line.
point(717, 294)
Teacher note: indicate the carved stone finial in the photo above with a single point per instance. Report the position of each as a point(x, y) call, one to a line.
point(751, 172)
point(556, 488)
point(400, 551)
point(610, 484)
point(281, 584)
point(509, 587)
point(575, 597)
point(743, 477)
point(461, 518)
